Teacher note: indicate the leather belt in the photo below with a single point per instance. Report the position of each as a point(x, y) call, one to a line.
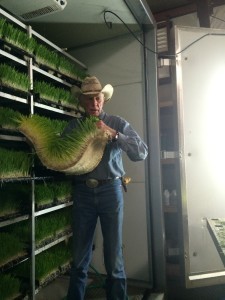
point(93, 183)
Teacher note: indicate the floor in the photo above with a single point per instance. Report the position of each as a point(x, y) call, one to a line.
point(176, 292)
point(58, 288)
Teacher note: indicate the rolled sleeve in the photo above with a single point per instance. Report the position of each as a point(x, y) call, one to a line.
point(131, 143)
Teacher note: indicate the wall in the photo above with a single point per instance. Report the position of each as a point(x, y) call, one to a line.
point(119, 62)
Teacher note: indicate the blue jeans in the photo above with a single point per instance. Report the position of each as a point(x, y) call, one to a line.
point(105, 202)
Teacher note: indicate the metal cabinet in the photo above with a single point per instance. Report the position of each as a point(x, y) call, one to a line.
point(198, 77)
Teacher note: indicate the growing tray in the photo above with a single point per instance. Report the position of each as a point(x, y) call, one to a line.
point(217, 231)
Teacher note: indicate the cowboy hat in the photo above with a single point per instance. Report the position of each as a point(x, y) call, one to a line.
point(92, 86)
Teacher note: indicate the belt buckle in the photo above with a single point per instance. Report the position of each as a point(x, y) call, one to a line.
point(92, 183)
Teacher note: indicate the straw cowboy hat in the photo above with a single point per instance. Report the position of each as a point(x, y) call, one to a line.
point(92, 86)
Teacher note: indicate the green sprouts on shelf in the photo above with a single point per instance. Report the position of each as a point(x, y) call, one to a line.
point(2, 25)
point(14, 198)
point(49, 227)
point(14, 163)
point(47, 193)
point(68, 68)
point(51, 260)
point(21, 230)
point(8, 203)
point(8, 118)
point(9, 76)
point(43, 54)
point(47, 262)
point(47, 57)
point(19, 38)
point(67, 99)
point(11, 247)
point(44, 194)
point(9, 287)
point(58, 95)
point(62, 190)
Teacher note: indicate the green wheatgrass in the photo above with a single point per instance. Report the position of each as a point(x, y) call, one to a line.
point(58, 95)
point(11, 247)
point(2, 25)
point(8, 118)
point(49, 227)
point(9, 76)
point(19, 38)
point(8, 205)
point(14, 163)
point(14, 198)
point(22, 230)
point(47, 262)
point(68, 68)
point(51, 260)
point(47, 193)
point(58, 125)
point(44, 194)
point(9, 286)
point(62, 190)
point(54, 151)
point(47, 57)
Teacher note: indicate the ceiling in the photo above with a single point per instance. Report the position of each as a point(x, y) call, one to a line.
point(83, 22)
point(165, 5)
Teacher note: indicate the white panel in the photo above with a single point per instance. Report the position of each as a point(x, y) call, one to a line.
point(113, 61)
point(201, 105)
point(135, 233)
point(187, 20)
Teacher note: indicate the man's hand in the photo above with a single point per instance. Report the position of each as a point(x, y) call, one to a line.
point(101, 125)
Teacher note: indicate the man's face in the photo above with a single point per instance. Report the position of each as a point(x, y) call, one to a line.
point(92, 104)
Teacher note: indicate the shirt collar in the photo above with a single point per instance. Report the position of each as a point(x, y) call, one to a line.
point(102, 114)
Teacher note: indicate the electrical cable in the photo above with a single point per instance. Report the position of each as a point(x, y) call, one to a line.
point(212, 16)
point(109, 25)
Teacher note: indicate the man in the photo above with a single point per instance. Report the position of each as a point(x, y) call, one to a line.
point(99, 194)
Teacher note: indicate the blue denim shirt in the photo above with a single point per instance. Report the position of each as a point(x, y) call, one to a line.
point(129, 141)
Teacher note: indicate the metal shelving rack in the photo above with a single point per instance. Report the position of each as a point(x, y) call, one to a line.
point(31, 103)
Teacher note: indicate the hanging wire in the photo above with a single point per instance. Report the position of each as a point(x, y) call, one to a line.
point(109, 25)
point(212, 16)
